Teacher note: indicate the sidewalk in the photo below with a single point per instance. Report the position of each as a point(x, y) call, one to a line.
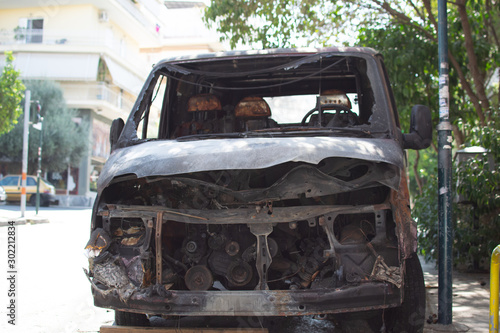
point(9, 213)
point(29, 218)
point(471, 301)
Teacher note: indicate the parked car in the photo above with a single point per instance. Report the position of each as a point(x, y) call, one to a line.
point(12, 185)
point(3, 195)
point(263, 183)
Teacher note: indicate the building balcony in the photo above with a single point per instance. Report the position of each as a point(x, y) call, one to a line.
point(105, 100)
point(74, 41)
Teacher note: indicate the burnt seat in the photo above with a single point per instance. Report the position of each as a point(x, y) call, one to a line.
point(336, 110)
point(253, 113)
point(203, 109)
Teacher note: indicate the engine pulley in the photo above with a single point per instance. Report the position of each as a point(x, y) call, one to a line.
point(239, 273)
point(198, 278)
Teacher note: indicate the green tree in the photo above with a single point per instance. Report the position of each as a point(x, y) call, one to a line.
point(412, 63)
point(64, 140)
point(11, 94)
point(477, 217)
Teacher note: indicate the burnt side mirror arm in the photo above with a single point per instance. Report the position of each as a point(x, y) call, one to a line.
point(420, 136)
point(115, 131)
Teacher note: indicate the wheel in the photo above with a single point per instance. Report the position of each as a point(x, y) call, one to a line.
point(410, 316)
point(45, 202)
point(123, 318)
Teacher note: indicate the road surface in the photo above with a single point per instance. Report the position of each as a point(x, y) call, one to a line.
point(53, 293)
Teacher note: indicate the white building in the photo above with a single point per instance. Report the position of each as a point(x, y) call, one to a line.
point(100, 52)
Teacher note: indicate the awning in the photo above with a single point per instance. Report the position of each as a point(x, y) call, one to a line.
point(61, 67)
point(124, 78)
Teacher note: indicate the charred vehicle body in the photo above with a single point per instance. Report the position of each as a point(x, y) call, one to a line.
point(266, 183)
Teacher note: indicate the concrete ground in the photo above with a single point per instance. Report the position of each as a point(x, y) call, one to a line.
point(471, 297)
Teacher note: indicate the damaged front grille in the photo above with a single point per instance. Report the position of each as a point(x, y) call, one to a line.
point(292, 227)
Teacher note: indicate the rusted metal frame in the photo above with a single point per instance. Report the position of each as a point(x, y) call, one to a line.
point(406, 229)
point(148, 224)
point(380, 224)
point(133, 329)
point(178, 66)
point(145, 211)
point(159, 266)
point(243, 215)
point(263, 257)
point(326, 221)
point(368, 295)
point(310, 179)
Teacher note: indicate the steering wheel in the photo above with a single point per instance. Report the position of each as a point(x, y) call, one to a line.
point(343, 115)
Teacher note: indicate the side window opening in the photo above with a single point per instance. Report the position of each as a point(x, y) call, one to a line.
point(149, 123)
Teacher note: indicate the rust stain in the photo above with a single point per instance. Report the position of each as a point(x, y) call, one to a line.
point(250, 107)
point(406, 226)
point(159, 267)
point(204, 102)
point(129, 241)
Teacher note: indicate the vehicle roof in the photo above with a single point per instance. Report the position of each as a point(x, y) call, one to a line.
point(283, 51)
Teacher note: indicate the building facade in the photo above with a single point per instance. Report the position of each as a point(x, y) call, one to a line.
point(100, 53)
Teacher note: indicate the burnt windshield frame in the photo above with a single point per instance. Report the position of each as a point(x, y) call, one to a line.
point(177, 71)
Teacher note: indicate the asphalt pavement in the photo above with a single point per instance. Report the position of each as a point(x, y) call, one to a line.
point(51, 304)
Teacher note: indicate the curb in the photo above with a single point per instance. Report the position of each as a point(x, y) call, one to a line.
point(4, 221)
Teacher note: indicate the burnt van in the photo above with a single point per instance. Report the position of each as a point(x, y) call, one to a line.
point(262, 183)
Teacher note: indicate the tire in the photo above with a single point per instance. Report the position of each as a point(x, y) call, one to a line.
point(410, 316)
point(123, 318)
point(32, 200)
point(45, 202)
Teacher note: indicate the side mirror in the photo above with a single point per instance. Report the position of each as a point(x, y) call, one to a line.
point(115, 131)
point(420, 136)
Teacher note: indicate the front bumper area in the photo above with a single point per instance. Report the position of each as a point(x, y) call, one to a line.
point(365, 296)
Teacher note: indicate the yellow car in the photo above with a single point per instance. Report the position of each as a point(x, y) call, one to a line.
point(12, 186)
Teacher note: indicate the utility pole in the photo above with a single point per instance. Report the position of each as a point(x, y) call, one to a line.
point(444, 174)
point(39, 126)
point(27, 103)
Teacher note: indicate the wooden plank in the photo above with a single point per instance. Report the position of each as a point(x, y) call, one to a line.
point(134, 329)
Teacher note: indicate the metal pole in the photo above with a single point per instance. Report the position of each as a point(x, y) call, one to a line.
point(39, 171)
point(67, 183)
point(444, 175)
point(27, 104)
point(494, 275)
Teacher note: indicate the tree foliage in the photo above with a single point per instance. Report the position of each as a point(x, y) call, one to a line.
point(64, 140)
point(11, 94)
point(476, 218)
point(273, 23)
